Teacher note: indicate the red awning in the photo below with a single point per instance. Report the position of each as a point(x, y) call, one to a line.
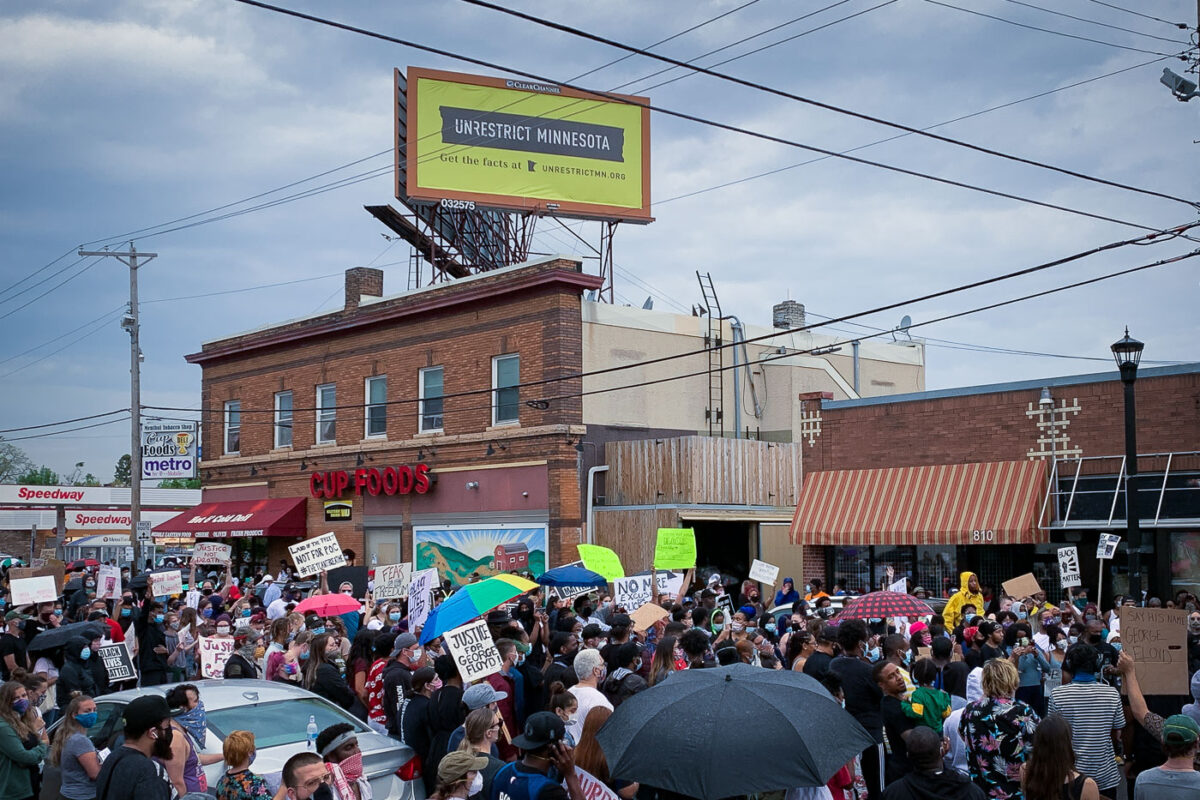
point(236, 518)
point(992, 503)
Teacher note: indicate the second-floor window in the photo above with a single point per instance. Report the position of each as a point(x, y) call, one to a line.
point(326, 414)
point(376, 395)
point(506, 374)
point(233, 427)
point(432, 381)
point(283, 419)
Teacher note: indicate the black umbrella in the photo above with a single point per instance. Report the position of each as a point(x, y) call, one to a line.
point(667, 736)
point(57, 637)
point(73, 585)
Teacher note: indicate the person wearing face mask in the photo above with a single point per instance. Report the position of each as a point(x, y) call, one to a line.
point(238, 782)
point(99, 612)
point(291, 664)
point(407, 655)
point(129, 773)
point(152, 643)
point(338, 745)
point(590, 669)
point(414, 723)
point(96, 668)
point(482, 731)
point(624, 682)
point(459, 776)
point(73, 752)
point(863, 696)
point(306, 776)
point(75, 678)
point(241, 663)
point(510, 683)
point(189, 721)
point(14, 650)
point(1193, 642)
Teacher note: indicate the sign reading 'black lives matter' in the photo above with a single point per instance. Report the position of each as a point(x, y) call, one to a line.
point(473, 651)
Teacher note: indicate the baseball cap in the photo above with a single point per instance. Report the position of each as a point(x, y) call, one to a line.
point(249, 634)
point(1180, 729)
point(454, 766)
point(403, 642)
point(144, 712)
point(541, 729)
point(620, 621)
point(14, 614)
point(268, 578)
point(480, 694)
point(591, 631)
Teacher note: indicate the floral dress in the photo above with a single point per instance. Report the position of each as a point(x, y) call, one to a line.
point(242, 785)
point(998, 734)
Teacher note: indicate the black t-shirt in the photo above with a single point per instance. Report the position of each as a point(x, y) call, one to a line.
point(16, 647)
point(862, 693)
point(817, 664)
point(127, 774)
point(989, 652)
point(954, 679)
point(896, 722)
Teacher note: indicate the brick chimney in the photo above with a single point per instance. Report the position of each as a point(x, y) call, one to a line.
point(362, 282)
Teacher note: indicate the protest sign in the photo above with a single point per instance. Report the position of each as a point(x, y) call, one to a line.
point(52, 569)
point(763, 572)
point(646, 615)
point(724, 601)
point(602, 560)
point(593, 788)
point(117, 661)
point(473, 650)
point(108, 582)
point(33, 590)
point(1021, 586)
point(391, 581)
point(1157, 640)
point(193, 599)
point(900, 585)
point(49, 553)
point(166, 583)
point(211, 553)
point(1068, 567)
point(355, 576)
point(670, 583)
point(675, 548)
point(313, 556)
point(214, 652)
point(569, 592)
point(420, 590)
point(1107, 546)
point(633, 592)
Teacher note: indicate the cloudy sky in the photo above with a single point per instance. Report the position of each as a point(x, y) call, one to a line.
point(126, 120)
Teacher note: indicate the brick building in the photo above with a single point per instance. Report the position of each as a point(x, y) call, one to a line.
point(996, 478)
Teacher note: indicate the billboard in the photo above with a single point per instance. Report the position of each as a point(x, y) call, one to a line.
point(168, 450)
point(523, 146)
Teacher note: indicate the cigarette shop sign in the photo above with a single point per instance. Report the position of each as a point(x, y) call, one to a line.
point(331, 484)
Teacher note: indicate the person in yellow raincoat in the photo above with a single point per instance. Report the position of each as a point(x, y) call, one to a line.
point(968, 594)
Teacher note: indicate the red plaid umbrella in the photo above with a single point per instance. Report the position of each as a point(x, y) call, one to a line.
point(880, 605)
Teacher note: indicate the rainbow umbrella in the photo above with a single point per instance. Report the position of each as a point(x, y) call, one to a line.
point(11, 561)
point(471, 601)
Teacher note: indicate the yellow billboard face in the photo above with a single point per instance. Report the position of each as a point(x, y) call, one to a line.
point(519, 145)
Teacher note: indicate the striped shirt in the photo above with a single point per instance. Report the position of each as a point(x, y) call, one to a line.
point(1093, 711)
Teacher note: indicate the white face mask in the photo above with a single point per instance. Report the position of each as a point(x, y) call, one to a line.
point(476, 785)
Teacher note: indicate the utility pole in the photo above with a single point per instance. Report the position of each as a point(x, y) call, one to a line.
point(130, 323)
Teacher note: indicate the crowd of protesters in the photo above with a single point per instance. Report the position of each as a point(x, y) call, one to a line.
point(995, 697)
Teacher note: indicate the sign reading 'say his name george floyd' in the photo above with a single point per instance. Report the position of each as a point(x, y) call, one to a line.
point(523, 145)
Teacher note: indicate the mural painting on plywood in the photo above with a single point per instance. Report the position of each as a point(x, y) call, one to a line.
point(459, 551)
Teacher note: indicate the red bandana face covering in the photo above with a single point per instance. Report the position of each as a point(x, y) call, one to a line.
point(352, 767)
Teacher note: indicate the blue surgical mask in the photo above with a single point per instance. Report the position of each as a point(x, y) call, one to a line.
point(87, 720)
point(206, 613)
point(873, 654)
point(20, 706)
point(245, 612)
point(394, 616)
point(718, 626)
point(318, 631)
point(1022, 614)
point(304, 656)
point(125, 612)
point(158, 618)
point(85, 653)
point(1117, 646)
point(771, 627)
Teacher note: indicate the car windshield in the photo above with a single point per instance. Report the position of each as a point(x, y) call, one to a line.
point(278, 723)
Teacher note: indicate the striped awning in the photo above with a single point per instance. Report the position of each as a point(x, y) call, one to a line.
point(993, 503)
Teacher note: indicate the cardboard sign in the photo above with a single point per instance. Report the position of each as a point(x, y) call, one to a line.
point(166, 583)
point(602, 560)
point(211, 553)
point(117, 661)
point(646, 615)
point(593, 788)
point(313, 556)
point(1107, 546)
point(391, 581)
point(214, 653)
point(420, 596)
point(54, 569)
point(763, 572)
point(633, 592)
point(1021, 586)
point(675, 548)
point(108, 582)
point(1157, 640)
point(49, 553)
point(670, 583)
point(192, 599)
point(1068, 567)
point(474, 651)
point(26, 591)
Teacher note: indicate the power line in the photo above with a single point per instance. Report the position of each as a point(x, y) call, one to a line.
point(38, 271)
point(67, 421)
point(58, 350)
point(1181, 25)
point(1096, 22)
point(105, 315)
point(698, 119)
point(822, 105)
point(1050, 30)
point(59, 285)
point(68, 430)
point(248, 288)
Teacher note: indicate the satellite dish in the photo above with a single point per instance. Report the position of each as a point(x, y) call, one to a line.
point(905, 323)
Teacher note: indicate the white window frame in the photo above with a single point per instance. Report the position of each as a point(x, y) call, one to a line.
point(282, 424)
point(326, 414)
point(421, 416)
point(367, 406)
point(496, 390)
point(232, 407)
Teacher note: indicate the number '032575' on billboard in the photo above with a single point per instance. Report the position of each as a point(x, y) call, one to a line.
point(169, 450)
point(523, 145)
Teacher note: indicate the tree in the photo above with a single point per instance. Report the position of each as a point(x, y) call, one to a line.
point(13, 462)
point(41, 476)
point(123, 471)
point(180, 483)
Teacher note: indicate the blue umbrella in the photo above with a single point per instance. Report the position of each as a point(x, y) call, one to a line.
point(571, 575)
point(472, 601)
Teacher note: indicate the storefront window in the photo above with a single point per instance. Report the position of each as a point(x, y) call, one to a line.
point(1185, 562)
point(935, 570)
point(852, 566)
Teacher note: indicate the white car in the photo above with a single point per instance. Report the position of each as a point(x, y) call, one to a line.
point(277, 714)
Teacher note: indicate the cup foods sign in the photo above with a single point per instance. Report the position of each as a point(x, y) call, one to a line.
point(169, 450)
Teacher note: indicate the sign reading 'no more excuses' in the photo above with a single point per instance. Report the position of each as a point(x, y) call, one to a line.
point(473, 650)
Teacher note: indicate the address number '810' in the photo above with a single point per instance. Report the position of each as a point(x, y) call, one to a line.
point(983, 536)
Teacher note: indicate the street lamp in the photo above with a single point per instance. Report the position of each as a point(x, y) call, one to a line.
point(1128, 353)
